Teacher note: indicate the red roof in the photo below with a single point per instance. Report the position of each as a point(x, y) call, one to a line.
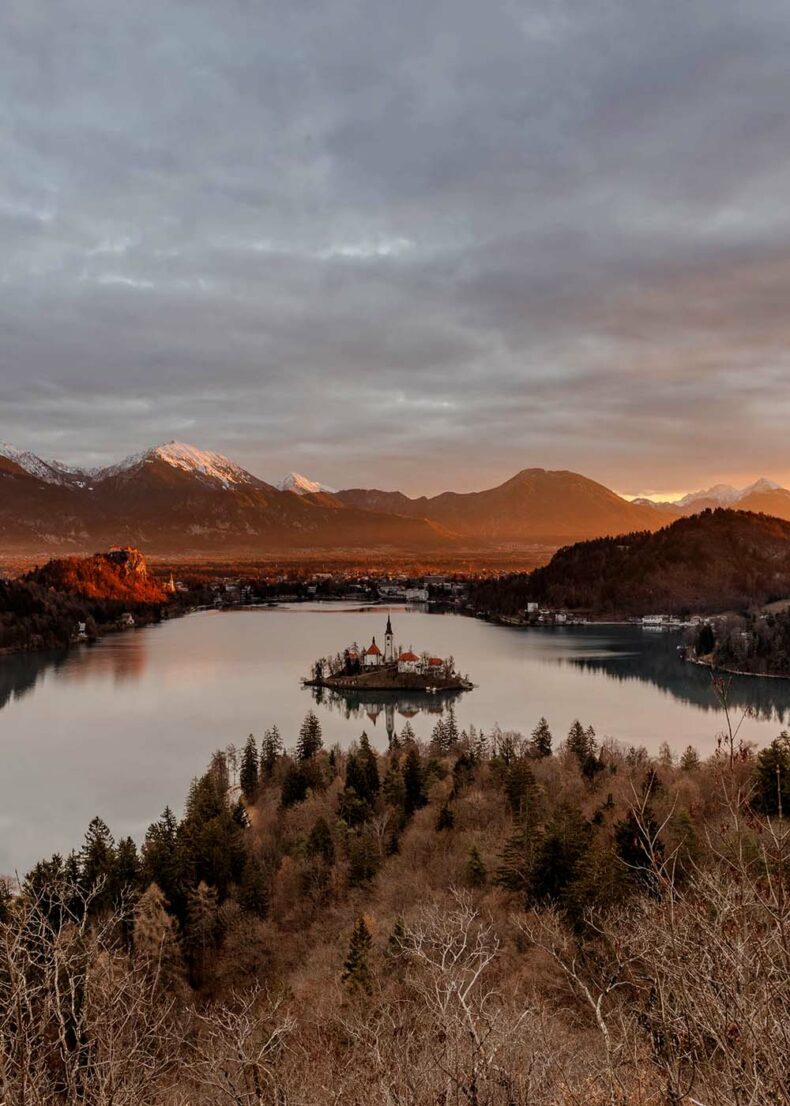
point(435, 662)
point(373, 651)
point(409, 656)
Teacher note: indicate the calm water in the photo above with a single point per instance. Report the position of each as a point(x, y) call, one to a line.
point(120, 728)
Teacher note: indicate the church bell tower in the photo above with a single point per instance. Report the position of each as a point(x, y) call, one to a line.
point(389, 644)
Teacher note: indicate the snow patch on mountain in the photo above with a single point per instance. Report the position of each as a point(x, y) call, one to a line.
point(726, 495)
point(212, 468)
point(302, 485)
point(51, 472)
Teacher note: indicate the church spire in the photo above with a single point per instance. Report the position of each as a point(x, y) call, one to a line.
point(389, 624)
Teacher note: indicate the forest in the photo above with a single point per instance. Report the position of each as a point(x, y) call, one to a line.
point(486, 919)
point(42, 609)
point(753, 643)
point(711, 562)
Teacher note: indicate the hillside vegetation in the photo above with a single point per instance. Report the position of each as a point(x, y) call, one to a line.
point(715, 561)
point(43, 609)
point(481, 921)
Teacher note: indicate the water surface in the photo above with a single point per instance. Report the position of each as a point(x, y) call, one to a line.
point(119, 729)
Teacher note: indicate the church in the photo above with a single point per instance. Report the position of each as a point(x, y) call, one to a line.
point(407, 661)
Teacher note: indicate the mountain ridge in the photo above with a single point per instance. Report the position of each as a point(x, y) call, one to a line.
point(175, 497)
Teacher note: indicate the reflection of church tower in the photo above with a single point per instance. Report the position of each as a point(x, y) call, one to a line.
point(389, 720)
point(389, 644)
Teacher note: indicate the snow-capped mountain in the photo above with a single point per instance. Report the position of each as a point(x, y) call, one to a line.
point(302, 485)
point(725, 495)
point(206, 466)
point(51, 472)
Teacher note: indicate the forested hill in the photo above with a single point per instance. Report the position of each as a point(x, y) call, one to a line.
point(47, 608)
point(715, 561)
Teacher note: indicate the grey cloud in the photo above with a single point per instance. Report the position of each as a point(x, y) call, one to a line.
point(417, 244)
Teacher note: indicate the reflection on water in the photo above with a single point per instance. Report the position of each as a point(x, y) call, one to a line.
point(394, 709)
point(658, 664)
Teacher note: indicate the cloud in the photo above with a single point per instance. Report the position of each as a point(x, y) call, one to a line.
point(416, 245)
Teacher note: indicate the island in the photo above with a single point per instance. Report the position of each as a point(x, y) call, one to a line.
point(387, 669)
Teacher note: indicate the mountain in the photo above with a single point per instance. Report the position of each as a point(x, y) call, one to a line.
point(536, 505)
point(709, 562)
point(302, 485)
point(725, 495)
point(176, 498)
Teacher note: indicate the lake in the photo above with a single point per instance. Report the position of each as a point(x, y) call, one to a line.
point(119, 728)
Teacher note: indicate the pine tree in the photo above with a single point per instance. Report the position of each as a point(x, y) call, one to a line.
point(451, 728)
point(413, 782)
point(271, 751)
point(475, 872)
point(540, 742)
point(771, 778)
point(251, 892)
point(578, 742)
point(516, 861)
point(394, 787)
point(407, 734)
point(248, 776)
point(97, 863)
point(446, 818)
point(439, 743)
point(690, 759)
point(396, 944)
point(519, 785)
point(320, 843)
point(356, 969)
point(310, 740)
point(636, 845)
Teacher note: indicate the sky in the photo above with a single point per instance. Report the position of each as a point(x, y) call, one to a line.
point(421, 244)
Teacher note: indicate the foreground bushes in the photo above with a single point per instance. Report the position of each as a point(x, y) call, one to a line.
point(476, 921)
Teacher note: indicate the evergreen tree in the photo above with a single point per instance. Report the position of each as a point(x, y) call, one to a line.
point(396, 944)
point(519, 784)
point(475, 872)
point(560, 860)
point(310, 740)
point(451, 734)
point(356, 969)
point(364, 857)
point(163, 861)
point(296, 784)
point(579, 743)
point(771, 778)
point(633, 841)
point(413, 781)
point(446, 818)
point(6, 902)
point(407, 734)
point(690, 759)
point(271, 751)
point(369, 767)
point(320, 843)
point(540, 742)
point(97, 863)
point(251, 892)
point(439, 742)
point(394, 788)
point(248, 776)
point(516, 862)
